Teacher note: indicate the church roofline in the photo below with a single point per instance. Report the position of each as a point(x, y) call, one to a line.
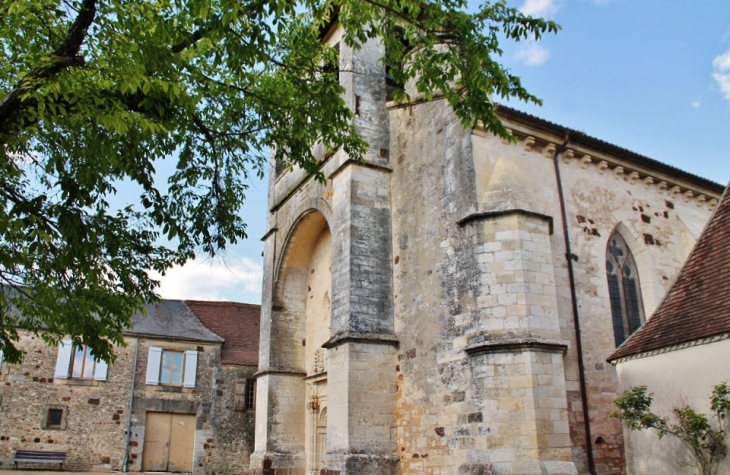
point(581, 138)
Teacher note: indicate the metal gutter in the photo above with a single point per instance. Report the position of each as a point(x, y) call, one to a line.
point(574, 303)
point(131, 402)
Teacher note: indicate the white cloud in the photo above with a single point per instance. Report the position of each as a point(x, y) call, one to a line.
point(540, 8)
point(203, 280)
point(532, 54)
point(696, 104)
point(721, 73)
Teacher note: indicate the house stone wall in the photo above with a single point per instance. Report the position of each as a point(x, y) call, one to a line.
point(97, 412)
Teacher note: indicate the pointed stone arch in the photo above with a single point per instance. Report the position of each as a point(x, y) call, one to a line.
point(298, 326)
point(289, 298)
point(651, 289)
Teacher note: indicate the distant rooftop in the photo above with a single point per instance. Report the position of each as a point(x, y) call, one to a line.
point(171, 319)
point(237, 323)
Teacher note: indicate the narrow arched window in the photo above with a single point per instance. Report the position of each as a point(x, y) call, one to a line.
point(627, 308)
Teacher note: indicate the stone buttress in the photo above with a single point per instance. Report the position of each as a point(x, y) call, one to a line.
point(351, 384)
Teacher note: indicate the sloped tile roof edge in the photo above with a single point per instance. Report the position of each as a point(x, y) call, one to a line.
point(154, 324)
point(639, 343)
point(668, 349)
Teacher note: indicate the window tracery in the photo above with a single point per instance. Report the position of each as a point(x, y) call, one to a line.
point(624, 289)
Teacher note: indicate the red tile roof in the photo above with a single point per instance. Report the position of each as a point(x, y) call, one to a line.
point(698, 303)
point(237, 323)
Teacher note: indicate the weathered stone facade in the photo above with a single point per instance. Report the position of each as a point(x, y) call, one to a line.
point(96, 412)
point(452, 345)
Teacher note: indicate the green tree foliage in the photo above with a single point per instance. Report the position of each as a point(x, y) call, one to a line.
point(96, 92)
point(706, 445)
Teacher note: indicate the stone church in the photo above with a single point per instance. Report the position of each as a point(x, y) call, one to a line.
point(447, 305)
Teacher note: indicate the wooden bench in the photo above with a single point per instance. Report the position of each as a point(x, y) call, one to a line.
point(39, 456)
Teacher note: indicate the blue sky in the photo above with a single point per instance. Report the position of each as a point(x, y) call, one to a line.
point(652, 76)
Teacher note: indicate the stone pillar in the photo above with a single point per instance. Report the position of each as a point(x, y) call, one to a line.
point(362, 351)
point(517, 360)
point(279, 443)
point(362, 346)
point(279, 424)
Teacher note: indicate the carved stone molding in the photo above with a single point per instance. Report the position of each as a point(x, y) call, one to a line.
point(585, 161)
point(549, 150)
point(529, 142)
point(568, 155)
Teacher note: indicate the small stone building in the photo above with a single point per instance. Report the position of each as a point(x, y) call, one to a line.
point(447, 305)
point(178, 398)
point(683, 350)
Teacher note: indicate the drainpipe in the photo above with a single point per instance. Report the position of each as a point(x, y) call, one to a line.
point(574, 302)
point(131, 401)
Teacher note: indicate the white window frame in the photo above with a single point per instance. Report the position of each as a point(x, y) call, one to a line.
point(154, 367)
point(64, 362)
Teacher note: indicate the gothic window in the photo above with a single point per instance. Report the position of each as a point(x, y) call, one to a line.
point(627, 308)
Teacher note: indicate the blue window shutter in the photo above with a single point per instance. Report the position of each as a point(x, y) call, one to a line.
point(191, 367)
point(63, 362)
point(101, 369)
point(153, 365)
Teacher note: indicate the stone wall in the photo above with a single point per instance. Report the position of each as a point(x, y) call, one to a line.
point(94, 432)
point(456, 286)
point(96, 411)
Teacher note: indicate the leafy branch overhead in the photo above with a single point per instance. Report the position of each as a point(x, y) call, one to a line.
point(94, 93)
point(704, 437)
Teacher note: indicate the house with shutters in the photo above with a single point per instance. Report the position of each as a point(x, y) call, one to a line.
point(179, 397)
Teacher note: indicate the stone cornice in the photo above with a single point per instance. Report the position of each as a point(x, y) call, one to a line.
point(541, 136)
point(282, 371)
point(485, 215)
point(362, 337)
point(482, 346)
point(269, 233)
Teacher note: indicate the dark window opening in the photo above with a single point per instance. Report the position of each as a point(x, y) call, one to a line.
point(624, 289)
point(391, 83)
point(250, 402)
point(55, 418)
point(333, 66)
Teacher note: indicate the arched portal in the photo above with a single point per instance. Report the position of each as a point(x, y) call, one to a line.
point(300, 325)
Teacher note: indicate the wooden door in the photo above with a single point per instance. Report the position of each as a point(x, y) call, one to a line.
point(168, 442)
point(320, 440)
point(156, 442)
point(182, 438)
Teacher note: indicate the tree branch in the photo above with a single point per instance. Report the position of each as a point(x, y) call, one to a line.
point(64, 57)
